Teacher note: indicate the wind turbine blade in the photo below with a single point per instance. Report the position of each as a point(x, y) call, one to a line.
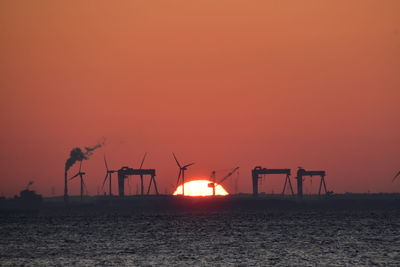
point(179, 176)
point(80, 166)
point(144, 157)
point(105, 162)
point(105, 179)
point(177, 162)
point(76, 175)
point(188, 165)
point(397, 175)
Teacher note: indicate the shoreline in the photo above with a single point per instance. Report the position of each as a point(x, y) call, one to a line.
point(231, 203)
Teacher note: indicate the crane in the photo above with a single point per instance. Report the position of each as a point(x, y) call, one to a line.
point(302, 172)
point(258, 170)
point(213, 178)
point(397, 175)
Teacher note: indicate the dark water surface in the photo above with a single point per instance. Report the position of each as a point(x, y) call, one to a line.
point(257, 238)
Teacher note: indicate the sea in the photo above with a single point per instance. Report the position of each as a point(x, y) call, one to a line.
point(201, 237)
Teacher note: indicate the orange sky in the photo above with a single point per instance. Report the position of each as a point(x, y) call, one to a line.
point(231, 83)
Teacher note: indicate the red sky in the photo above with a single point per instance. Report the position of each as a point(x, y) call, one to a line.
point(223, 83)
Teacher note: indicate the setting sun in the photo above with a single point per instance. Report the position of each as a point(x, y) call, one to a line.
point(200, 188)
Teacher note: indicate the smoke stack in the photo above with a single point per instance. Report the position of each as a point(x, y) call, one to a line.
point(65, 186)
point(75, 155)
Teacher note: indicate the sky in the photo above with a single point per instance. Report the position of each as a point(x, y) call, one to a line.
point(278, 84)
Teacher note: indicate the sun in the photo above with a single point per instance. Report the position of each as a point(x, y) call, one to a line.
point(200, 188)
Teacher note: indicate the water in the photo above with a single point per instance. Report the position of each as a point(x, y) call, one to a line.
point(291, 238)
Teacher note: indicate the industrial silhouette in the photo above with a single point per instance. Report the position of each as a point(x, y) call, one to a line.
point(125, 172)
point(75, 155)
point(28, 200)
point(108, 177)
point(395, 177)
point(141, 175)
point(182, 170)
point(302, 172)
point(80, 174)
point(28, 185)
point(213, 178)
point(257, 171)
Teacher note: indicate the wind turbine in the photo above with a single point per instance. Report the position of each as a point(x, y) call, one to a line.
point(108, 176)
point(182, 170)
point(397, 175)
point(80, 174)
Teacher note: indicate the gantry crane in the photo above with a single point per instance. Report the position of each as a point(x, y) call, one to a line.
point(302, 172)
point(124, 172)
point(257, 171)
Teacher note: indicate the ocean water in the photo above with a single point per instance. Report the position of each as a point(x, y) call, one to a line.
point(257, 238)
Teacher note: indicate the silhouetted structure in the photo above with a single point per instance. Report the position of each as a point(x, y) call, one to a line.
point(124, 172)
point(257, 171)
point(82, 182)
point(141, 176)
point(182, 170)
point(65, 185)
point(397, 175)
point(213, 178)
point(29, 196)
point(28, 200)
point(28, 185)
point(302, 172)
point(75, 155)
point(108, 176)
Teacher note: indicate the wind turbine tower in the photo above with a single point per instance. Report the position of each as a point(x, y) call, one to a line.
point(80, 174)
point(108, 176)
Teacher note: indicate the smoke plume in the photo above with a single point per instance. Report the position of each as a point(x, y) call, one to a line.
point(78, 154)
